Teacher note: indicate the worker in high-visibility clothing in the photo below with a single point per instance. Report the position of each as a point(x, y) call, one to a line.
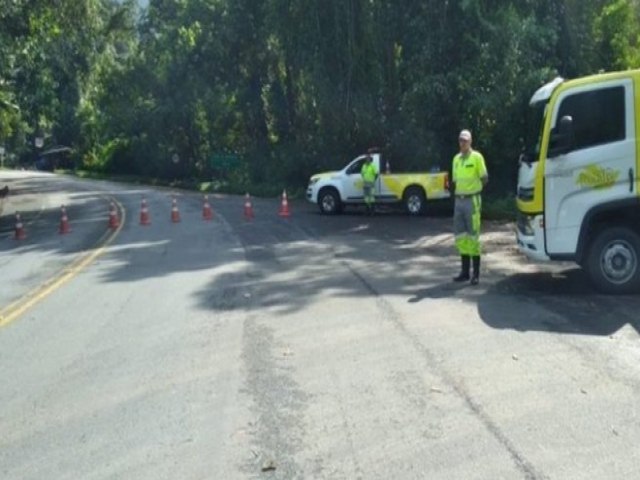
point(469, 174)
point(369, 174)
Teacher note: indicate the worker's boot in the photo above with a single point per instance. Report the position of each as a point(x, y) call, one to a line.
point(464, 272)
point(475, 278)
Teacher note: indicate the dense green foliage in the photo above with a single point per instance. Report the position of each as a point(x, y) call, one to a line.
point(290, 87)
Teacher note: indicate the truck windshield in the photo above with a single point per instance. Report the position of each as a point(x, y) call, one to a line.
point(533, 133)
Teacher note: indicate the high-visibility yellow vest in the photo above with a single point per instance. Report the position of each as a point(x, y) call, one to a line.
point(468, 172)
point(369, 172)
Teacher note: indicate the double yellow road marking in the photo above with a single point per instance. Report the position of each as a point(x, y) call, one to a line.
point(17, 308)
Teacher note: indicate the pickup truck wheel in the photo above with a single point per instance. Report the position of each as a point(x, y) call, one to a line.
point(613, 262)
point(329, 201)
point(414, 201)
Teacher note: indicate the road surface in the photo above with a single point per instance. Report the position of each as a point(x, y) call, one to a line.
point(309, 347)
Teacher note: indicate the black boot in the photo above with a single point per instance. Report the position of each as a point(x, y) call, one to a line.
point(464, 273)
point(476, 271)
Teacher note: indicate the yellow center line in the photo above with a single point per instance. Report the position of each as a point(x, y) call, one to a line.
point(17, 308)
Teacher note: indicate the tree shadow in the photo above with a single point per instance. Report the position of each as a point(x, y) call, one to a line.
point(269, 262)
point(573, 306)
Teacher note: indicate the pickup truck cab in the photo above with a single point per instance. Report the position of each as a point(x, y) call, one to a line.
point(331, 191)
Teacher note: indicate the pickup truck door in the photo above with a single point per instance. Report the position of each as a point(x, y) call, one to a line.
point(352, 181)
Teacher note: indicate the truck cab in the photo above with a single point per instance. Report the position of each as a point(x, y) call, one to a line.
point(577, 194)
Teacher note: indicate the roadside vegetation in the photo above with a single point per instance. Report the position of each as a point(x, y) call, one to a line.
point(259, 94)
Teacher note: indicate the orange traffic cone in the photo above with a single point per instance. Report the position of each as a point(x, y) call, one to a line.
point(113, 217)
point(284, 205)
point(20, 233)
point(248, 208)
point(207, 211)
point(64, 221)
point(175, 214)
point(145, 219)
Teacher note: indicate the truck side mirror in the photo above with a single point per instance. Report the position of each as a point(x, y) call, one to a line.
point(561, 137)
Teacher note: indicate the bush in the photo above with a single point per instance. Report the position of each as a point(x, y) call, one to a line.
point(503, 208)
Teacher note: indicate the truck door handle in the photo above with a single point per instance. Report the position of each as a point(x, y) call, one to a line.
point(631, 180)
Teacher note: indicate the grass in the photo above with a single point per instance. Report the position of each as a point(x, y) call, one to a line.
point(213, 186)
point(503, 208)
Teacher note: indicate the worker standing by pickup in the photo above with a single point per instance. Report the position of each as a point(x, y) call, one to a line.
point(469, 174)
point(369, 176)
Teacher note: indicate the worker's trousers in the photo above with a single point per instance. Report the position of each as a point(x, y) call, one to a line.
point(466, 224)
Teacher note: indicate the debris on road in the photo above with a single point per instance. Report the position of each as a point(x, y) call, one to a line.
point(268, 466)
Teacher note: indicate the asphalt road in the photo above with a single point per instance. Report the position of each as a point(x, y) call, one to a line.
point(308, 347)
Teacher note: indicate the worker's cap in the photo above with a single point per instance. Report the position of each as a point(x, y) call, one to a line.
point(465, 135)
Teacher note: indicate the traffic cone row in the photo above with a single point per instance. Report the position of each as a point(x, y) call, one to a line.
point(65, 227)
point(145, 217)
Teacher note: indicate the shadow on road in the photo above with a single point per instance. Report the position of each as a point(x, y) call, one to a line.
point(309, 244)
point(569, 302)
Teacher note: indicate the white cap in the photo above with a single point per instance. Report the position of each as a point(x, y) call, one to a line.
point(464, 135)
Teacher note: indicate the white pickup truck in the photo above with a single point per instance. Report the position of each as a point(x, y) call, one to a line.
point(331, 191)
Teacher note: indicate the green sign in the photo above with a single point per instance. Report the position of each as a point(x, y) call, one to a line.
point(224, 161)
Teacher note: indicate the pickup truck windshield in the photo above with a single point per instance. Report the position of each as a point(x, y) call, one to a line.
point(533, 133)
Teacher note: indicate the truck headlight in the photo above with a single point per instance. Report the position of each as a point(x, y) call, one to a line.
point(313, 181)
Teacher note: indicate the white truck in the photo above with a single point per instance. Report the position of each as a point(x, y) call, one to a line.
point(331, 191)
point(578, 185)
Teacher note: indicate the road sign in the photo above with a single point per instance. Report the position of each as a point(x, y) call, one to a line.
point(224, 162)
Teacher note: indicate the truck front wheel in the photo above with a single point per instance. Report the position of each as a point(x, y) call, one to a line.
point(613, 262)
point(329, 201)
point(414, 201)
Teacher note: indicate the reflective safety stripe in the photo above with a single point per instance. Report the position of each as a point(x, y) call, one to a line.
point(369, 197)
point(469, 244)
